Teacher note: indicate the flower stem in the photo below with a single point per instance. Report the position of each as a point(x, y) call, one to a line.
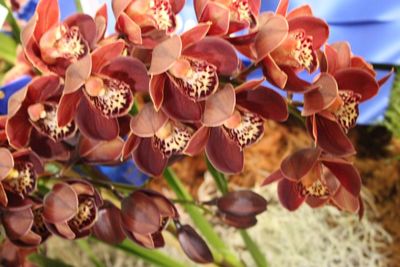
point(222, 255)
point(16, 32)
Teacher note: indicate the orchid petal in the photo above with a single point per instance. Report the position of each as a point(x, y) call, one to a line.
point(219, 107)
point(218, 15)
point(343, 51)
point(77, 73)
point(288, 195)
point(322, 97)
point(304, 10)
point(216, 51)
point(60, 204)
point(7, 162)
point(157, 83)
point(265, 102)
point(148, 121)
point(297, 165)
point(48, 13)
point(105, 53)
point(357, 80)
point(273, 72)
point(282, 7)
point(315, 27)
point(195, 34)
point(165, 55)
point(149, 159)
point(348, 176)
point(227, 160)
point(273, 177)
point(127, 26)
point(93, 125)
point(197, 142)
point(270, 36)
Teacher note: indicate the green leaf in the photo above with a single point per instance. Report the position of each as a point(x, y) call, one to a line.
point(16, 32)
point(8, 48)
point(254, 250)
point(222, 255)
point(43, 261)
point(78, 6)
point(219, 178)
point(151, 256)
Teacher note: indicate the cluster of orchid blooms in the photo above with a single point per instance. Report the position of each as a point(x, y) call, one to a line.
point(191, 94)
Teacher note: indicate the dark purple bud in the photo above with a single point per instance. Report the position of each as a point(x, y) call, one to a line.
point(193, 245)
point(242, 203)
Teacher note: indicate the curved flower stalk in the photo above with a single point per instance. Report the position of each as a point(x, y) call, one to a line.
point(139, 20)
point(99, 89)
point(316, 178)
point(51, 45)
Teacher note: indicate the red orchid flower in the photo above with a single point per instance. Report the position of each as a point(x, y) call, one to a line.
point(185, 72)
point(233, 120)
point(155, 139)
point(99, 89)
point(101, 152)
point(70, 209)
point(299, 51)
point(32, 119)
point(136, 18)
point(332, 107)
point(18, 173)
point(227, 16)
point(317, 179)
point(24, 225)
point(51, 45)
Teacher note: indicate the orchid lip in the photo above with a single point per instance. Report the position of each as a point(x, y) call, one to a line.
point(199, 82)
point(46, 122)
point(171, 139)
point(62, 42)
point(111, 97)
point(22, 179)
point(248, 131)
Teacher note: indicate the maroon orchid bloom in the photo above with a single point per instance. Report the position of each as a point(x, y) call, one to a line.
point(18, 173)
point(51, 45)
point(317, 179)
point(15, 256)
point(332, 107)
point(185, 72)
point(145, 213)
point(32, 119)
point(227, 16)
point(71, 208)
point(24, 225)
point(307, 34)
point(99, 89)
point(155, 139)
point(233, 120)
point(137, 18)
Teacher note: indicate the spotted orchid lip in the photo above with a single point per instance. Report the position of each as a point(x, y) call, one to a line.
point(348, 113)
point(200, 81)
point(47, 123)
point(22, 180)
point(113, 98)
point(64, 42)
point(86, 215)
point(248, 131)
point(150, 14)
point(240, 11)
point(172, 139)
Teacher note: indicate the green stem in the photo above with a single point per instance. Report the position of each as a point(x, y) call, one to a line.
point(151, 256)
point(16, 32)
point(251, 246)
point(78, 6)
point(85, 246)
point(222, 255)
